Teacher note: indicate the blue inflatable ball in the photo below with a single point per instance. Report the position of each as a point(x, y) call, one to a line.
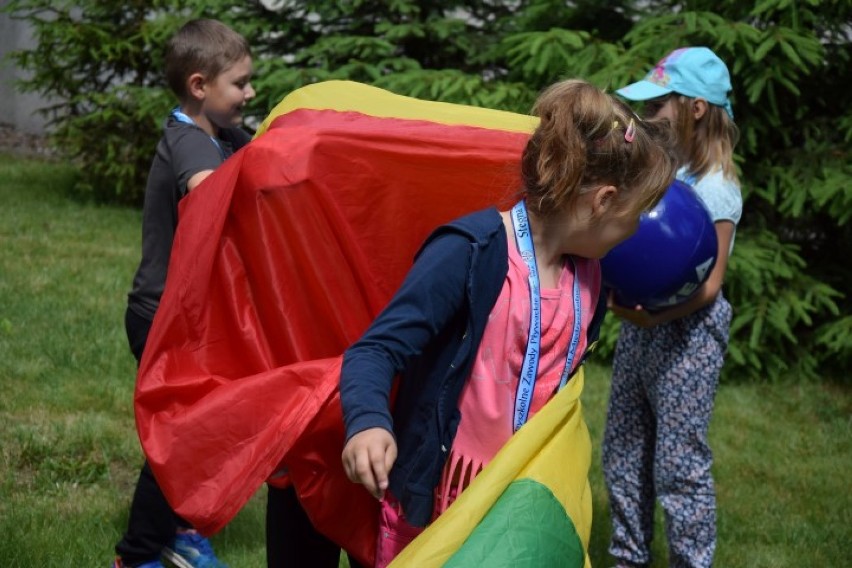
point(669, 257)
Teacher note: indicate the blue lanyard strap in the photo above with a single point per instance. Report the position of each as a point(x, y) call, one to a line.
point(575, 333)
point(181, 116)
point(529, 368)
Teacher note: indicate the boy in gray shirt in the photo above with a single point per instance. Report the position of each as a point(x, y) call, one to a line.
point(208, 66)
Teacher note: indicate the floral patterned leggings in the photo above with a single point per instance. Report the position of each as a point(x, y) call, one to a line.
point(655, 444)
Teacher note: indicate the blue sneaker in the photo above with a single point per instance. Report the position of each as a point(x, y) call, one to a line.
point(191, 550)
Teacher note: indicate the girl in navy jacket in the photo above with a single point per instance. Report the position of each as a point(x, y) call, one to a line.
point(499, 308)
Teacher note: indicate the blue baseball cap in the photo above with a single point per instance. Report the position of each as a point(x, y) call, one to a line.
point(690, 71)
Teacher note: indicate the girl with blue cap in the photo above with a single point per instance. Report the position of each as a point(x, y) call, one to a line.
point(667, 363)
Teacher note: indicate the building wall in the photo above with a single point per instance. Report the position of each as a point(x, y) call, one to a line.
point(17, 109)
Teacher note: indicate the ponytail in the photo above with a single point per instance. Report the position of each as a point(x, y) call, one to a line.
point(587, 138)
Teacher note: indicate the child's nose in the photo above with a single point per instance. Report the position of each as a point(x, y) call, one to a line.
point(249, 92)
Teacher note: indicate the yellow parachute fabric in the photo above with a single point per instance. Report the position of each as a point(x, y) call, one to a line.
point(553, 449)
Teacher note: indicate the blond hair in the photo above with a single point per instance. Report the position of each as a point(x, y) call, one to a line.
point(706, 144)
point(587, 138)
point(202, 46)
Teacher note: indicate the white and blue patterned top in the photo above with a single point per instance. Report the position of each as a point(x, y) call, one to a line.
point(720, 195)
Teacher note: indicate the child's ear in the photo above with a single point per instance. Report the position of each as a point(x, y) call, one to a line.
point(699, 108)
point(195, 86)
point(603, 199)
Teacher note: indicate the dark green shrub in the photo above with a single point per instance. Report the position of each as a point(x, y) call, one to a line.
point(790, 61)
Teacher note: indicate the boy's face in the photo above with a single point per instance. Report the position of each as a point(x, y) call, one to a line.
point(227, 94)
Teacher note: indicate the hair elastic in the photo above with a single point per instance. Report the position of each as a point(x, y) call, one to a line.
point(630, 133)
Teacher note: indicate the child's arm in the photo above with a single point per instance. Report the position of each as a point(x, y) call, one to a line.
point(368, 457)
point(193, 155)
point(196, 179)
point(432, 294)
point(237, 138)
point(702, 297)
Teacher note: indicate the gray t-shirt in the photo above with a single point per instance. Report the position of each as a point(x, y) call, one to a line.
point(183, 151)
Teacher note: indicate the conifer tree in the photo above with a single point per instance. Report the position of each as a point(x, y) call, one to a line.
point(788, 278)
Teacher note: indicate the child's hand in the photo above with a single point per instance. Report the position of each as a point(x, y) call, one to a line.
point(636, 315)
point(368, 457)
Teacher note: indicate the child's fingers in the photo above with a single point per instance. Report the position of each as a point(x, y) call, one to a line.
point(368, 457)
point(349, 468)
point(382, 458)
point(380, 469)
point(390, 455)
point(364, 471)
point(356, 462)
point(350, 458)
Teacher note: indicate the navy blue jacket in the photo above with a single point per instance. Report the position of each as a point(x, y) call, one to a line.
point(430, 332)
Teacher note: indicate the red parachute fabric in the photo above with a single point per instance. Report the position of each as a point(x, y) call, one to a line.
point(281, 260)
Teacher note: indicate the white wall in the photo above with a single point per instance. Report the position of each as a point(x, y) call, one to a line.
point(17, 109)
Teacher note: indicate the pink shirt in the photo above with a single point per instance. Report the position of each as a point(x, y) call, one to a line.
point(488, 398)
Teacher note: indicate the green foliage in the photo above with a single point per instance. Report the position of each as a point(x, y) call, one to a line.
point(782, 300)
point(790, 62)
point(98, 62)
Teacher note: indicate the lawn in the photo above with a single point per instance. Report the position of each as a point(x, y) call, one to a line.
point(69, 454)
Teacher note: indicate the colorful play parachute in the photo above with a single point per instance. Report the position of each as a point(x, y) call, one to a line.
point(530, 507)
point(282, 258)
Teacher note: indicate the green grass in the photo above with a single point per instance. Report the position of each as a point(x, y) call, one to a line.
point(69, 455)
point(782, 453)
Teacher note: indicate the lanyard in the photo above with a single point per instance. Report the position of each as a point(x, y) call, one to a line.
point(180, 116)
point(529, 369)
